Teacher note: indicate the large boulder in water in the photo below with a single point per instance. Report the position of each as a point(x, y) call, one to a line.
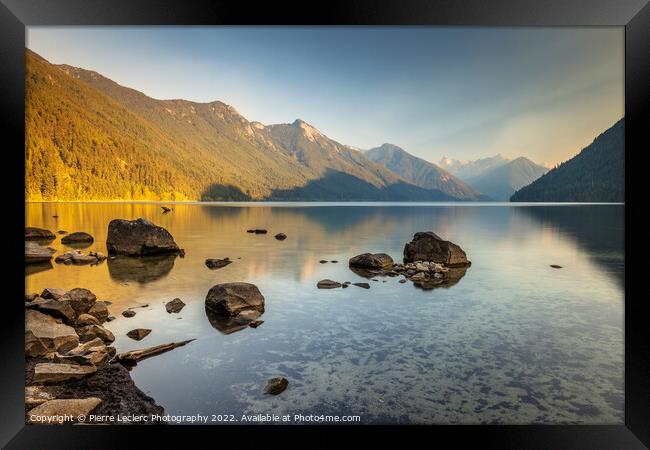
point(139, 238)
point(371, 261)
point(231, 299)
point(427, 246)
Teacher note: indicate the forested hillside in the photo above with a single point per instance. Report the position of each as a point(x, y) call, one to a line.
point(88, 138)
point(596, 174)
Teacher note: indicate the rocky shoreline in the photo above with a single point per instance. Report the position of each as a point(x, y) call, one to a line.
point(70, 366)
point(72, 369)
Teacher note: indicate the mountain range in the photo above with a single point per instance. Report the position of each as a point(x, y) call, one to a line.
point(596, 174)
point(88, 138)
point(422, 173)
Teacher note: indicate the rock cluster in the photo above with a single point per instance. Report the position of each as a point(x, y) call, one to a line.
point(77, 257)
point(428, 246)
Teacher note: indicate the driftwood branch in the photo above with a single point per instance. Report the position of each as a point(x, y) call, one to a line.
point(136, 355)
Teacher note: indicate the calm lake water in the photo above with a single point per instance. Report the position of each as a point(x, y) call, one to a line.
point(514, 341)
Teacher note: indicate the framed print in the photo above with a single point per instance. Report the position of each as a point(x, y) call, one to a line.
point(401, 218)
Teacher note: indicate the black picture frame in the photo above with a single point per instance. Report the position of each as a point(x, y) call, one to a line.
point(634, 15)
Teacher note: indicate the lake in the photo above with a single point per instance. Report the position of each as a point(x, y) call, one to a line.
point(514, 341)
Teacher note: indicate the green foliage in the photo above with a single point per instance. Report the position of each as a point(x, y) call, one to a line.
point(596, 174)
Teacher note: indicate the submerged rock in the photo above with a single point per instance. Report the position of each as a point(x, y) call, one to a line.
point(217, 263)
point(230, 299)
point(38, 234)
point(371, 261)
point(275, 386)
point(140, 270)
point(328, 284)
point(35, 253)
point(138, 238)
point(77, 237)
point(427, 246)
point(174, 306)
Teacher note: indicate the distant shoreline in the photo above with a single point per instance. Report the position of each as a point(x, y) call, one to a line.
point(330, 203)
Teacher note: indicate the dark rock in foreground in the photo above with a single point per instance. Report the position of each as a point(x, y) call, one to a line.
point(77, 237)
point(280, 236)
point(214, 263)
point(128, 313)
point(230, 299)
point(362, 285)
point(35, 253)
point(371, 261)
point(174, 306)
point(275, 386)
point(139, 238)
point(38, 234)
point(427, 246)
point(328, 284)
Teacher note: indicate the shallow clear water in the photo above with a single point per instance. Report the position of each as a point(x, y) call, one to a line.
point(514, 341)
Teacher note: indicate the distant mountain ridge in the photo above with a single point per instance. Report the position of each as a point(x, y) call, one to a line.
point(88, 138)
point(468, 169)
point(422, 173)
point(503, 180)
point(596, 174)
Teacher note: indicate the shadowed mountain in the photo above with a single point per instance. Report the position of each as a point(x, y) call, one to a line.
point(596, 174)
point(341, 186)
point(88, 138)
point(422, 173)
point(502, 181)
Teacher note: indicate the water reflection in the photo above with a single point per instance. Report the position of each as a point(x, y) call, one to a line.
point(142, 270)
point(229, 325)
point(514, 342)
point(33, 268)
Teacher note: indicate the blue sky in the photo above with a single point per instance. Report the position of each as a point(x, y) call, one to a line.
point(465, 93)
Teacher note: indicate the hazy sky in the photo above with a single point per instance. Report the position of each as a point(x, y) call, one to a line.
point(466, 93)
